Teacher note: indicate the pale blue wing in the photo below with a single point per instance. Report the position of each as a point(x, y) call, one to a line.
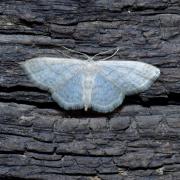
point(69, 96)
point(46, 72)
point(130, 76)
point(106, 96)
point(115, 79)
point(61, 76)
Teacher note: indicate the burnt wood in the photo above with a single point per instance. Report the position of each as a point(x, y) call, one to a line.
point(139, 140)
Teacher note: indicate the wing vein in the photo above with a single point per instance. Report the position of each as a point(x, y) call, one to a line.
point(126, 67)
point(67, 80)
point(112, 81)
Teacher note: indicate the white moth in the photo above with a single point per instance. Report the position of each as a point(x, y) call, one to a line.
point(83, 84)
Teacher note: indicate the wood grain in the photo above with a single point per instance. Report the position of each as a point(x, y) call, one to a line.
point(139, 140)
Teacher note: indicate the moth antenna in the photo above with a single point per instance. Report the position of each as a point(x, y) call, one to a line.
point(71, 50)
point(64, 53)
point(117, 49)
point(111, 55)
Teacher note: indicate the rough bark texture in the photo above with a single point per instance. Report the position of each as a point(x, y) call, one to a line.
point(139, 140)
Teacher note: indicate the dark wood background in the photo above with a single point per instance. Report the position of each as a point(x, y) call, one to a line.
point(139, 140)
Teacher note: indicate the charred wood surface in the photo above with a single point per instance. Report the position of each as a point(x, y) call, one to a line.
point(139, 140)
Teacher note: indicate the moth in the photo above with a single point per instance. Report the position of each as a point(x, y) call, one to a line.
point(87, 84)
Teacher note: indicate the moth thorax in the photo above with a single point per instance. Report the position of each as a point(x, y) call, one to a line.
point(87, 89)
point(91, 67)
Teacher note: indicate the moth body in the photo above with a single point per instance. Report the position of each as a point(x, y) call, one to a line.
point(99, 85)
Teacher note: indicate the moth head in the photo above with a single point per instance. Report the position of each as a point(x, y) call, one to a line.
point(90, 59)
